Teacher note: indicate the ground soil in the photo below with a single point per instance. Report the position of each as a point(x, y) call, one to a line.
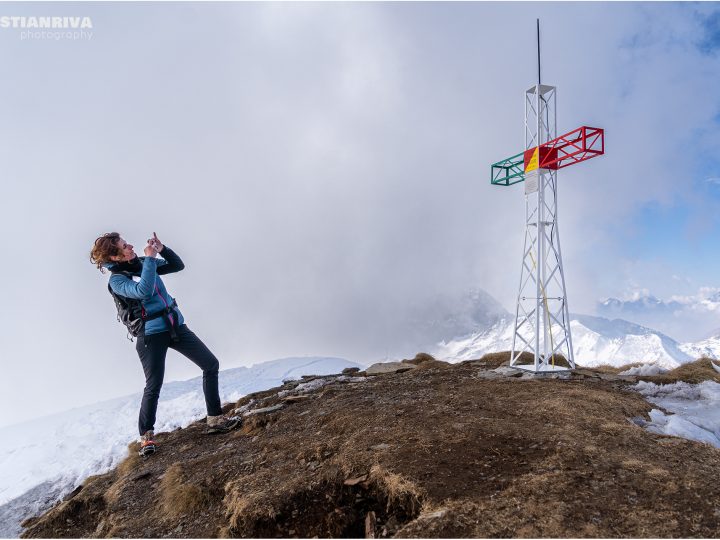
point(443, 451)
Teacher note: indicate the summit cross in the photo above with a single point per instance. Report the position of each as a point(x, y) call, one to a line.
point(542, 317)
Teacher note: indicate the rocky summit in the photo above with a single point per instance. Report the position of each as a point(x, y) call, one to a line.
point(434, 450)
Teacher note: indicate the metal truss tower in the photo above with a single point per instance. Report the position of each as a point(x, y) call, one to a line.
point(542, 317)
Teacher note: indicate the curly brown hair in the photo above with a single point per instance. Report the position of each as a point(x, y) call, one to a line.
point(104, 248)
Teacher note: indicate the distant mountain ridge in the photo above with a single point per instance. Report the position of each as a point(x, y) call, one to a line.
point(640, 305)
point(690, 318)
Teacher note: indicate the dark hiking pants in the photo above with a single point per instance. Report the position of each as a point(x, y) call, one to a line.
point(152, 350)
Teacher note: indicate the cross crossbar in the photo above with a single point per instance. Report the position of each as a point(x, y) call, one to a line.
point(575, 146)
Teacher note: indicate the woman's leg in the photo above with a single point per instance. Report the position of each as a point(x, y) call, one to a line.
point(190, 346)
point(152, 350)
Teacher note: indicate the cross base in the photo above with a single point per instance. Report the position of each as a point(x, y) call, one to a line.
point(542, 368)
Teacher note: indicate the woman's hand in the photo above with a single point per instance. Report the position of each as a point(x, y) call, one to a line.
point(156, 243)
point(150, 251)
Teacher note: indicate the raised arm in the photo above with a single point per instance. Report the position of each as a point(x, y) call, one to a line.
point(173, 262)
point(143, 289)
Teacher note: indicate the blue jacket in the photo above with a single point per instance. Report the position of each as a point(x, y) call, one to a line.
point(150, 289)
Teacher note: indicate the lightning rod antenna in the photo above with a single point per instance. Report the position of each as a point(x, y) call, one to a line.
point(538, 41)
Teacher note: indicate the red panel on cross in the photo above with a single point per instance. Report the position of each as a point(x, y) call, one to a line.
point(546, 158)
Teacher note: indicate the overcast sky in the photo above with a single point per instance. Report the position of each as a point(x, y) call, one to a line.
point(319, 167)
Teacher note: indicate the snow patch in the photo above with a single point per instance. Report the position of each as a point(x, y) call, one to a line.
point(678, 426)
point(645, 369)
point(695, 408)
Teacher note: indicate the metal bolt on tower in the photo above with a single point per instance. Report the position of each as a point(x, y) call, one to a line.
point(542, 317)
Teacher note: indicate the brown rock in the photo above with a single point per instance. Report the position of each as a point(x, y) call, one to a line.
point(72, 493)
point(388, 367)
point(355, 481)
point(292, 399)
point(264, 410)
point(370, 521)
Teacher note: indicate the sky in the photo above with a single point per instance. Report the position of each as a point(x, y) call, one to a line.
point(322, 166)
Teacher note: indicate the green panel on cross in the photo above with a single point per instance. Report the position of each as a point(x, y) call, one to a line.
point(509, 171)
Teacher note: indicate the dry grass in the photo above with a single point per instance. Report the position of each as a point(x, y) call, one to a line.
point(614, 370)
point(115, 491)
point(399, 491)
point(130, 463)
point(693, 372)
point(178, 496)
point(124, 471)
point(245, 505)
point(420, 358)
point(323, 507)
point(495, 360)
point(433, 364)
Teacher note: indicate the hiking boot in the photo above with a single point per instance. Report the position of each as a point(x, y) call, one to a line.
point(147, 445)
point(222, 423)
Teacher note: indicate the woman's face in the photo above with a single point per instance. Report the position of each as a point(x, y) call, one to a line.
point(127, 253)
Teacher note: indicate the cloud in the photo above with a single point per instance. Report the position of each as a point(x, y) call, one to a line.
point(320, 167)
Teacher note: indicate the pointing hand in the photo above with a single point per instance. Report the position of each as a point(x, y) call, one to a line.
point(156, 243)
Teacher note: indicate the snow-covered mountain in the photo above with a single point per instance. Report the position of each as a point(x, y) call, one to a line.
point(690, 317)
point(709, 347)
point(471, 324)
point(596, 341)
point(42, 459)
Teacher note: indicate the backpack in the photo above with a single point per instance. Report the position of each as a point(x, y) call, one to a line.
point(132, 313)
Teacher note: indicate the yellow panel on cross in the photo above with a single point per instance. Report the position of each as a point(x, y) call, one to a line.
point(532, 159)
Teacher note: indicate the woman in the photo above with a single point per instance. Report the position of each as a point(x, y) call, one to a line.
point(111, 252)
